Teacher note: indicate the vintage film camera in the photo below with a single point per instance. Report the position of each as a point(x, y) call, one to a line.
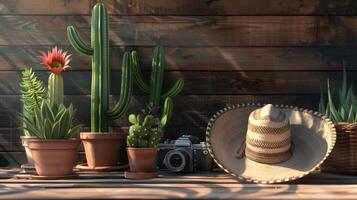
point(186, 154)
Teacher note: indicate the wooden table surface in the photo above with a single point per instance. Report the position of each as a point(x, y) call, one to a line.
point(170, 186)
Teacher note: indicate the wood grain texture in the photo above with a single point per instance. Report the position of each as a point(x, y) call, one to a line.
point(201, 186)
point(183, 7)
point(201, 58)
point(189, 111)
point(173, 30)
point(198, 82)
point(166, 30)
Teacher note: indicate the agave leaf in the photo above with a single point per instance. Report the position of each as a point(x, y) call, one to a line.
point(56, 131)
point(351, 115)
point(343, 113)
point(65, 123)
point(333, 110)
point(74, 131)
point(47, 129)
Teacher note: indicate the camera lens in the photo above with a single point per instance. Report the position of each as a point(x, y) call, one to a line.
point(175, 160)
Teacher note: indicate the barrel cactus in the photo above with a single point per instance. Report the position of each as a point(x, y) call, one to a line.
point(99, 51)
point(157, 97)
point(144, 133)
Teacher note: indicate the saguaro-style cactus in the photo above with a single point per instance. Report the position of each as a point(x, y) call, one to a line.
point(99, 51)
point(156, 83)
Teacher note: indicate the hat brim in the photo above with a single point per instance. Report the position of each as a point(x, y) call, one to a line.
point(313, 136)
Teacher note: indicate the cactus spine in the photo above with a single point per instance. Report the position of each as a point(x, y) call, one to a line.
point(99, 51)
point(55, 88)
point(156, 83)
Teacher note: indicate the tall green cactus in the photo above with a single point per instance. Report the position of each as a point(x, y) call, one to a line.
point(156, 84)
point(99, 51)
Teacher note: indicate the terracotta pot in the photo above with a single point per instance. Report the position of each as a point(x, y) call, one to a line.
point(142, 159)
point(102, 149)
point(24, 140)
point(54, 157)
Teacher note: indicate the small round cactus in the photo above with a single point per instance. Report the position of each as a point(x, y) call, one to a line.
point(144, 133)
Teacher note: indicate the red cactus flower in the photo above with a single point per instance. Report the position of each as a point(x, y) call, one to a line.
point(56, 60)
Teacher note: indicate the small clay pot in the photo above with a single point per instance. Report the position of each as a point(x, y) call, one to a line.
point(142, 159)
point(24, 140)
point(102, 149)
point(54, 157)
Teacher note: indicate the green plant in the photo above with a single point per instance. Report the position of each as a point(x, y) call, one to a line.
point(99, 51)
point(56, 61)
point(144, 133)
point(33, 93)
point(344, 109)
point(156, 85)
point(50, 121)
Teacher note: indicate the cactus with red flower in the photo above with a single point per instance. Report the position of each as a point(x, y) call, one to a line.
point(56, 61)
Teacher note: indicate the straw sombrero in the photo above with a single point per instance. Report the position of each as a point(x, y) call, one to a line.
point(269, 144)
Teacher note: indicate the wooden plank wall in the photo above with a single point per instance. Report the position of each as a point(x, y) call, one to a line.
point(228, 51)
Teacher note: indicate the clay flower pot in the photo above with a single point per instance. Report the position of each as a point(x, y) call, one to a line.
point(54, 157)
point(142, 159)
point(102, 149)
point(24, 141)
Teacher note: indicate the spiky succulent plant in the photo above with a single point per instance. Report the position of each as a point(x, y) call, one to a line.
point(33, 93)
point(51, 121)
point(342, 109)
point(145, 132)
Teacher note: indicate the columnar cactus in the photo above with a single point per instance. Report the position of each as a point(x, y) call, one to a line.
point(156, 83)
point(55, 88)
point(99, 51)
point(144, 133)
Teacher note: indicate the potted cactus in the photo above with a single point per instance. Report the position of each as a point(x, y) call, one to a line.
point(343, 112)
point(144, 135)
point(146, 130)
point(101, 146)
point(54, 150)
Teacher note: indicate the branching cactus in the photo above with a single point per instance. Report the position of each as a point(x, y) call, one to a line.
point(157, 97)
point(99, 51)
point(144, 133)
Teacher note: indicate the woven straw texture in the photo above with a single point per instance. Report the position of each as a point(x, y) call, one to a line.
point(313, 136)
point(343, 158)
point(268, 136)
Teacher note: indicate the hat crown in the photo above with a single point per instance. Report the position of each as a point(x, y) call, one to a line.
point(268, 137)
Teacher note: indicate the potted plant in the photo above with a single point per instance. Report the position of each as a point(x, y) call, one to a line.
point(101, 146)
point(32, 93)
point(54, 150)
point(147, 129)
point(343, 112)
point(144, 135)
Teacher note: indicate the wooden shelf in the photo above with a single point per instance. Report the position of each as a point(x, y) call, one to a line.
point(189, 186)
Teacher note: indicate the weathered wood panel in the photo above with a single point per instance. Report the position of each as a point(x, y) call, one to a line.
point(167, 30)
point(183, 7)
point(173, 30)
point(199, 82)
point(189, 110)
point(201, 58)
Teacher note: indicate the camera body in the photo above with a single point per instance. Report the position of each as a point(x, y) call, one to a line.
point(184, 155)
